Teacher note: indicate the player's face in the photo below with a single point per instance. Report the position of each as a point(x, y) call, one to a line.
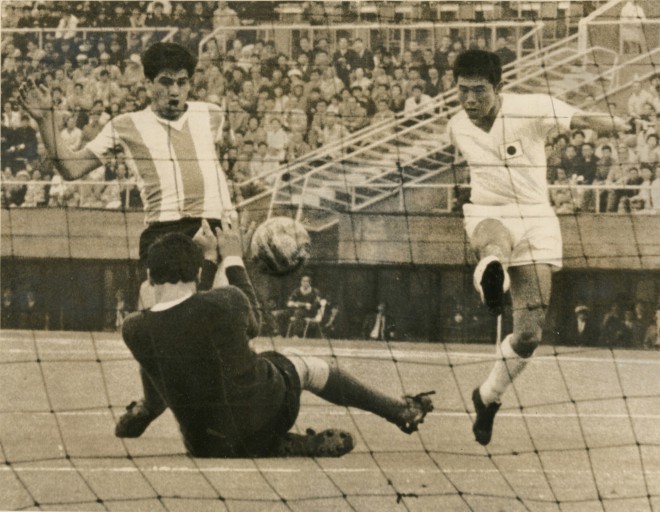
point(478, 97)
point(169, 92)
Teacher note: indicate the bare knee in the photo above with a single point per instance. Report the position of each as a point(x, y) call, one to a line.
point(491, 238)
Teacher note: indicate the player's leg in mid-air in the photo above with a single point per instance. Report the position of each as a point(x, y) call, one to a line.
point(493, 244)
point(341, 388)
point(530, 285)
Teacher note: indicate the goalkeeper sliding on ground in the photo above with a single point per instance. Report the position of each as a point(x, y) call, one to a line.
point(194, 356)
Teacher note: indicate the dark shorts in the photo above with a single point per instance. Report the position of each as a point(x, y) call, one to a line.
point(155, 230)
point(262, 441)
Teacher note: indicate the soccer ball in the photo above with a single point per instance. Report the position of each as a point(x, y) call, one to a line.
point(280, 245)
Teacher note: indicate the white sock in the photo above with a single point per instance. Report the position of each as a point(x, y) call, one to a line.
point(507, 367)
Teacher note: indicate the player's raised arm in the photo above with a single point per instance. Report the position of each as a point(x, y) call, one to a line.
point(600, 122)
point(230, 247)
point(37, 101)
point(208, 243)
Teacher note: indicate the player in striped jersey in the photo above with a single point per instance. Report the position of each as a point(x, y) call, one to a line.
point(509, 220)
point(170, 145)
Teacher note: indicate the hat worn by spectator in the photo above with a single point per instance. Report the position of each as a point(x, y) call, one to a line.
point(134, 58)
point(81, 57)
point(581, 309)
point(104, 56)
point(295, 72)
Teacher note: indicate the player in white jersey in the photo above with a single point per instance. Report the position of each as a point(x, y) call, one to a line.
point(170, 145)
point(509, 220)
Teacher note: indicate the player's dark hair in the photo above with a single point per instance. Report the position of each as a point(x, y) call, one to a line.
point(478, 64)
point(174, 258)
point(162, 56)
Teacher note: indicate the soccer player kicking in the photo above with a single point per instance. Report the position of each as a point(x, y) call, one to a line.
point(170, 145)
point(229, 401)
point(510, 223)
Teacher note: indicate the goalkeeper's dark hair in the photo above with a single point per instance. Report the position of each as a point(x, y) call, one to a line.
point(162, 56)
point(173, 258)
point(478, 64)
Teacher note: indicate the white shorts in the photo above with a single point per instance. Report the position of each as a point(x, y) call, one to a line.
point(534, 229)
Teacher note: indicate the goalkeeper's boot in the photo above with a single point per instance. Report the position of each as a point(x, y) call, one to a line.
point(492, 282)
point(418, 407)
point(135, 420)
point(485, 416)
point(329, 443)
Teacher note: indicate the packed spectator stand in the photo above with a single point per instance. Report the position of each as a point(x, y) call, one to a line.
point(282, 100)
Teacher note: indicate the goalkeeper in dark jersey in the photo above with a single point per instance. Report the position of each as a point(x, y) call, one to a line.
point(194, 355)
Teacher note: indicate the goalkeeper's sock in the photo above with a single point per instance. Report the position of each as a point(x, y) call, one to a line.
point(344, 389)
point(507, 367)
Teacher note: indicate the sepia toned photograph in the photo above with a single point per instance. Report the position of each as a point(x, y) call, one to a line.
point(307, 256)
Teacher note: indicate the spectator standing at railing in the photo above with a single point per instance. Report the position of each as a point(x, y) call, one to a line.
point(644, 193)
point(66, 28)
point(633, 39)
point(225, 16)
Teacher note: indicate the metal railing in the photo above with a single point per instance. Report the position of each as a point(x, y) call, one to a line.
point(82, 187)
point(146, 32)
point(390, 35)
point(364, 135)
point(555, 66)
point(446, 201)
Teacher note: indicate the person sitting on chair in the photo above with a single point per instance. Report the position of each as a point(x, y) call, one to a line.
point(304, 303)
point(378, 325)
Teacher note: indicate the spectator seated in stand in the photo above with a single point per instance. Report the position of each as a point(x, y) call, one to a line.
point(303, 303)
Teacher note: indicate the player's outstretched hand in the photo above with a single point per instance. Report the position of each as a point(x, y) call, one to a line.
point(207, 241)
point(229, 238)
point(36, 100)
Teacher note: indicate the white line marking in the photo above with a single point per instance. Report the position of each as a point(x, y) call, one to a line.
point(356, 412)
point(376, 354)
point(306, 470)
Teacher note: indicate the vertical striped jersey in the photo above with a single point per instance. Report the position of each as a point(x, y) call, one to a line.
point(175, 160)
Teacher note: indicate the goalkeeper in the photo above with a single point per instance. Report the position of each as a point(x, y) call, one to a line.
point(193, 350)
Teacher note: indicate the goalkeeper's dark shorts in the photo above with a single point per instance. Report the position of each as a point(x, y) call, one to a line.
point(261, 443)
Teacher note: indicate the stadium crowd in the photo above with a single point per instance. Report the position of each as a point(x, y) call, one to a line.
point(623, 171)
point(279, 107)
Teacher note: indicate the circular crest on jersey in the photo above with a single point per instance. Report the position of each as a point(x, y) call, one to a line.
point(280, 245)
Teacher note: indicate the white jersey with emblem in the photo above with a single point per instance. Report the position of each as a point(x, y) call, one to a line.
point(508, 163)
point(176, 160)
